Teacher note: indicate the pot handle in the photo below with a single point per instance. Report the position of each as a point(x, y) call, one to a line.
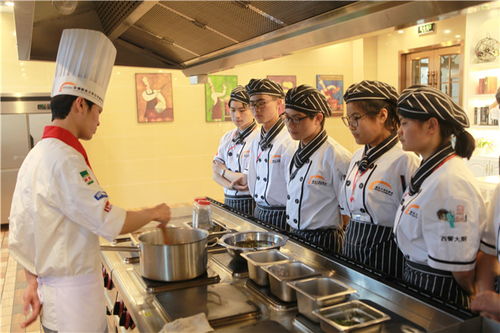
point(213, 242)
point(120, 248)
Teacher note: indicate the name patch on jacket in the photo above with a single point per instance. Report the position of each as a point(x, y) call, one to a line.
point(276, 159)
point(86, 177)
point(412, 210)
point(448, 216)
point(100, 195)
point(317, 180)
point(382, 187)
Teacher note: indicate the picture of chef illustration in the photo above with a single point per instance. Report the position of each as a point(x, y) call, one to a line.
point(217, 95)
point(154, 97)
point(332, 87)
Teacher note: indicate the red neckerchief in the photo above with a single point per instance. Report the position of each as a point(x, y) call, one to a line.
point(66, 137)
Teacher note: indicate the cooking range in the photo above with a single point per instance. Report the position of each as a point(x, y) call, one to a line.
point(233, 302)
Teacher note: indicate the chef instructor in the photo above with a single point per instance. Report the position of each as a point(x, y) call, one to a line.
point(59, 210)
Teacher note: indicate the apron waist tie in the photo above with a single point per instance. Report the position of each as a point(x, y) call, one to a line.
point(271, 208)
point(428, 269)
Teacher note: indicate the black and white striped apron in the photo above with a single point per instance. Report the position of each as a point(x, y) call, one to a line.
point(436, 282)
point(373, 245)
point(275, 216)
point(329, 239)
point(243, 203)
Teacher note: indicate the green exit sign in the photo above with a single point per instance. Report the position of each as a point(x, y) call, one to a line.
point(426, 28)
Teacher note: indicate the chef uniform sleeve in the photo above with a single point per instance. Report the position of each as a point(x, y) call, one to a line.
point(341, 166)
point(80, 197)
point(451, 225)
point(220, 151)
point(491, 229)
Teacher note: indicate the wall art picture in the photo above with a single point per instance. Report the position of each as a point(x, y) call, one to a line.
point(332, 86)
point(154, 97)
point(286, 81)
point(217, 92)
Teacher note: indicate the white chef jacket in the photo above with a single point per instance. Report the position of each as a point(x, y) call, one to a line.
point(235, 156)
point(58, 212)
point(491, 234)
point(313, 192)
point(267, 169)
point(425, 238)
point(376, 193)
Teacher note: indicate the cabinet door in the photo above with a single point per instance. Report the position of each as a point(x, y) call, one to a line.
point(37, 123)
point(15, 140)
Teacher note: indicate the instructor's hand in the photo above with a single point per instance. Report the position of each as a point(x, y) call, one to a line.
point(32, 305)
point(240, 184)
point(162, 213)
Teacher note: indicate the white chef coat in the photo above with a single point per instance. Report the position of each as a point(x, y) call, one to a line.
point(235, 156)
point(376, 193)
point(490, 242)
point(267, 169)
point(58, 212)
point(313, 192)
point(424, 238)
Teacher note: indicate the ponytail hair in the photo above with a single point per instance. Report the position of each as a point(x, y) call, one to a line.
point(464, 141)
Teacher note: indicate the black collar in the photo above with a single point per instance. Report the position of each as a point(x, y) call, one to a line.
point(303, 153)
point(267, 137)
point(370, 155)
point(241, 136)
point(428, 166)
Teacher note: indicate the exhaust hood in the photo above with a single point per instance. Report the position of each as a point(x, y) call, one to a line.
point(202, 37)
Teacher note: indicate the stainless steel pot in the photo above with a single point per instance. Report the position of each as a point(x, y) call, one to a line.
point(170, 254)
point(263, 241)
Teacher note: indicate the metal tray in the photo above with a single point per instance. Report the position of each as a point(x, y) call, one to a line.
point(336, 318)
point(262, 258)
point(318, 292)
point(281, 274)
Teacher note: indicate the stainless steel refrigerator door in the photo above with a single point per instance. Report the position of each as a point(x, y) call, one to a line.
point(37, 123)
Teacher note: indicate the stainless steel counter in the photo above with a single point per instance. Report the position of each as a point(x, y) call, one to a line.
point(149, 315)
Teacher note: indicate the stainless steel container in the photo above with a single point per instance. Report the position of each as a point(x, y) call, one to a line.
point(281, 274)
point(255, 260)
point(318, 292)
point(349, 316)
point(249, 241)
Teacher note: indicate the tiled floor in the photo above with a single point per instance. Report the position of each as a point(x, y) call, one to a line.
point(12, 284)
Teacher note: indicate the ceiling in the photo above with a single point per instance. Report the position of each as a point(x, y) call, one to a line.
point(201, 37)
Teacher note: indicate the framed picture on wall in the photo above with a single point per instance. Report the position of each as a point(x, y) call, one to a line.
point(332, 86)
point(154, 97)
point(287, 82)
point(217, 92)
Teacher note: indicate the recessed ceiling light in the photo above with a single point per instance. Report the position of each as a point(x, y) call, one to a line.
point(446, 31)
point(458, 36)
point(401, 31)
point(9, 3)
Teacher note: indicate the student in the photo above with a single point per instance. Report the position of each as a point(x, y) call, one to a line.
point(378, 175)
point(59, 210)
point(439, 221)
point(270, 154)
point(316, 172)
point(234, 151)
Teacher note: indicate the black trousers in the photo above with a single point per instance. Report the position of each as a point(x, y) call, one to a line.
point(329, 239)
point(244, 204)
point(275, 216)
point(373, 246)
point(436, 282)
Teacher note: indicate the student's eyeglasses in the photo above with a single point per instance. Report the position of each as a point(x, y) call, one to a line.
point(293, 120)
point(353, 121)
point(259, 104)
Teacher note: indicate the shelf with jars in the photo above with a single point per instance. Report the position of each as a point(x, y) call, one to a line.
point(484, 81)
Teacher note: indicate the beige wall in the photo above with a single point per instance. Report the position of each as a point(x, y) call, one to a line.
point(142, 164)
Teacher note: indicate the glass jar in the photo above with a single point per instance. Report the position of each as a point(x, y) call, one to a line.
point(204, 215)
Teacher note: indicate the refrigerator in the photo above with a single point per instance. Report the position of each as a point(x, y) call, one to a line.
point(22, 120)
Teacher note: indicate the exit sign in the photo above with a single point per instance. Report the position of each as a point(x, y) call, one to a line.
point(426, 28)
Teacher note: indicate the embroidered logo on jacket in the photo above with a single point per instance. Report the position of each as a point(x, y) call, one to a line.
point(101, 194)
point(412, 210)
point(448, 216)
point(381, 186)
point(246, 154)
point(276, 159)
point(317, 180)
point(86, 177)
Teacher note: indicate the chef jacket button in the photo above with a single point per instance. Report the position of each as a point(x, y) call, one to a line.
point(295, 221)
point(265, 160)
point(296, 200)
point(287, 217)
point(264, 179)
point(260, 160)
point(237, 155)
point(301, 178)
point(361, 185)
point(229, 169)
point(256, 196)
point(288, 196)
point(362, 210)
point(262, 197)
point(348, 182)
point(258, 178)
point(230, 154)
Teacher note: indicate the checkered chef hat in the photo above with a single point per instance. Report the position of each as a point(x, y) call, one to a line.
point(265, 87)
point(239, 94)
point(305, 98)
point(372, 90)
point(423, 102)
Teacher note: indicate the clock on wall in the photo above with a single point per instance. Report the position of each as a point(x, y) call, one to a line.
point(487, 49)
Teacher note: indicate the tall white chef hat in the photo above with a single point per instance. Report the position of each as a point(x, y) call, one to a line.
point(84, 62)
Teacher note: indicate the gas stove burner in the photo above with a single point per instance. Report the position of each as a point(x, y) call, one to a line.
point(265, 294)
point(155, 287)
point(237, 266)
